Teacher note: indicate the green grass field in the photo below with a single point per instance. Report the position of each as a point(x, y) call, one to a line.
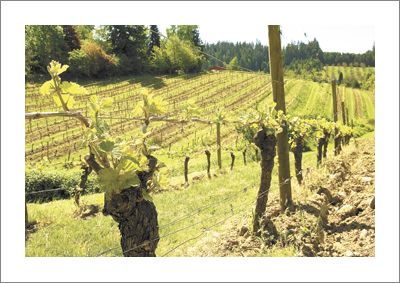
point(218, 198)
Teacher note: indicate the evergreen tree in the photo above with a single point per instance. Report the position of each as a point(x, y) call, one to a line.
point(196, 38)
point(130, 44)
point(154, 38)
point(71, 38)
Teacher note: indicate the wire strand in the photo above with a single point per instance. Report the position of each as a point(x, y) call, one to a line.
point(144, 243)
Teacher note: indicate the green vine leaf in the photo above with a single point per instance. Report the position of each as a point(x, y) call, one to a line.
point(47, 88)
point(55, 68)
point(107, 145)
point(72, 88)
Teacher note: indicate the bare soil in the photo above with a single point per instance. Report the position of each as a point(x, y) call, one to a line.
point(333, 216)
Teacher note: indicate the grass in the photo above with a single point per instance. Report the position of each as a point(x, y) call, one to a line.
point(60, 234)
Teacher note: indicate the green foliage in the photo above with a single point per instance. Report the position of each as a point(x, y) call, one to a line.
point(154, 39)
point(233, 64)
point(119, 159)
point(307, 68)
point(37, 179)
point(297, 129)
point(249, 55)
point(71, 39)
point(42, 44)
point(62, 92)
point(130, 43)
point(92, 61)
point(149, 106)
point(262, 117)
point(84, 32)
point(187, 33)
point(175, 55)
point(188, 110)
point(320, 127)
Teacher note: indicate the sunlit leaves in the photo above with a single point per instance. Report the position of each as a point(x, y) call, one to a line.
point(47, 88)
point(149, 105)
point(189, 110)
point(55, 68)
point(72, 88)
point(68, 100)
point(114, 180)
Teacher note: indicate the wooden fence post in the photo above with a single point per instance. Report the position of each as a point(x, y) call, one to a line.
point(276, 67)
point(343, 113)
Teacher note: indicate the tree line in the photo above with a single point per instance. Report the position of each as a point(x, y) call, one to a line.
point(302, 55)
point(115, 50)
point(112, 50)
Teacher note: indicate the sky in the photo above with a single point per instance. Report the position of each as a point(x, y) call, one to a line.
point(331, 38)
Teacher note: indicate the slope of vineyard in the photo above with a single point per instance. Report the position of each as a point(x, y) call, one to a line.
point(59, 139)
point(360, 77)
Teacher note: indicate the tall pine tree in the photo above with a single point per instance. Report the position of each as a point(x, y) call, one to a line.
point(154, 38)
point(71, 38)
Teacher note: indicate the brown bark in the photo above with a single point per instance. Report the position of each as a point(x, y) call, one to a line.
point(208, 154)
point(86, 170)
point(267, 145)
point(320, 145)
point(326, 137)
point(244, 157)
point(136, 216)
point(298, 156)
point(232, 160)
point(187, 158)
point(338, 147)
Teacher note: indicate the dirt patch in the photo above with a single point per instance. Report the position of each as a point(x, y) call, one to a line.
point(334, 213)
point(86, 211)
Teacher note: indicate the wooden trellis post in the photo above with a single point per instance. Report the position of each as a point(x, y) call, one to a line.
point(335, 117)
point(276, 67)
point(343, 113)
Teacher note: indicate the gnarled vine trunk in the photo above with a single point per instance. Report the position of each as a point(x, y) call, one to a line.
point(136, 216)
point(232, 160)
point(244, 156)
point(186, 169)
point(208, 155)
point(267, 145)
point(327, 135)
point(298, 156)
point(320, 145)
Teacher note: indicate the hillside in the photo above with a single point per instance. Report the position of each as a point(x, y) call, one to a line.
point(59, 139)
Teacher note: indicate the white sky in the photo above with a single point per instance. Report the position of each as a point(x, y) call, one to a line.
point(339, 38)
